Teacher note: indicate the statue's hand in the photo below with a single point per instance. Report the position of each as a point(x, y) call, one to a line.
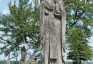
point(58, 13)
point(57, 10)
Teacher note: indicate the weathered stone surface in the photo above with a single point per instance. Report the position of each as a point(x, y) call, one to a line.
point(52, 27)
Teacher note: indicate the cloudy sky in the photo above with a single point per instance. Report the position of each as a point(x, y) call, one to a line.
point(4, 6)
point(4, 10)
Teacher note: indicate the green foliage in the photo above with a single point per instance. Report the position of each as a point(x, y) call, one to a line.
point(80, 50)
point(79, 21)
point(20, 26)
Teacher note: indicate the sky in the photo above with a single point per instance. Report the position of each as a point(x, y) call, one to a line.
point(4, 10)
point(4, 6)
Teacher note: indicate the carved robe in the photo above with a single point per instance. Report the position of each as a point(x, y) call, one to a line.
point(52, 34)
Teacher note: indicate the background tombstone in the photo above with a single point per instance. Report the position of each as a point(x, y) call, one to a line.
point(52, 31)
point(8, 60)
point(23, 55)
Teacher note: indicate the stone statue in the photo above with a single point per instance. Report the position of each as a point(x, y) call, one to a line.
point(52, 30)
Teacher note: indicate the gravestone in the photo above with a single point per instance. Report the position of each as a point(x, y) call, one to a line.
point(52, 31)
point(23, 55)
point(8, 60)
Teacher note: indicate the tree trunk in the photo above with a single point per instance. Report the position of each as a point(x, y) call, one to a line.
point(77, 62)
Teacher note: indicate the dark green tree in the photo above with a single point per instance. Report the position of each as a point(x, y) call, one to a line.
point(79, 25)
point(20, 26)
point(79, 49)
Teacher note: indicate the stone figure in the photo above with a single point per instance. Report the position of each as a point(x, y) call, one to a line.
point(52, 30)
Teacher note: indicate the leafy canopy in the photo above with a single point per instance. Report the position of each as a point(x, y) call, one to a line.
point(20, 26)
point(79, 25)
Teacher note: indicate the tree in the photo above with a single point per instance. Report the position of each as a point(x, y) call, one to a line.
point(79, 21)
point(80, 50)
point(20, 26)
